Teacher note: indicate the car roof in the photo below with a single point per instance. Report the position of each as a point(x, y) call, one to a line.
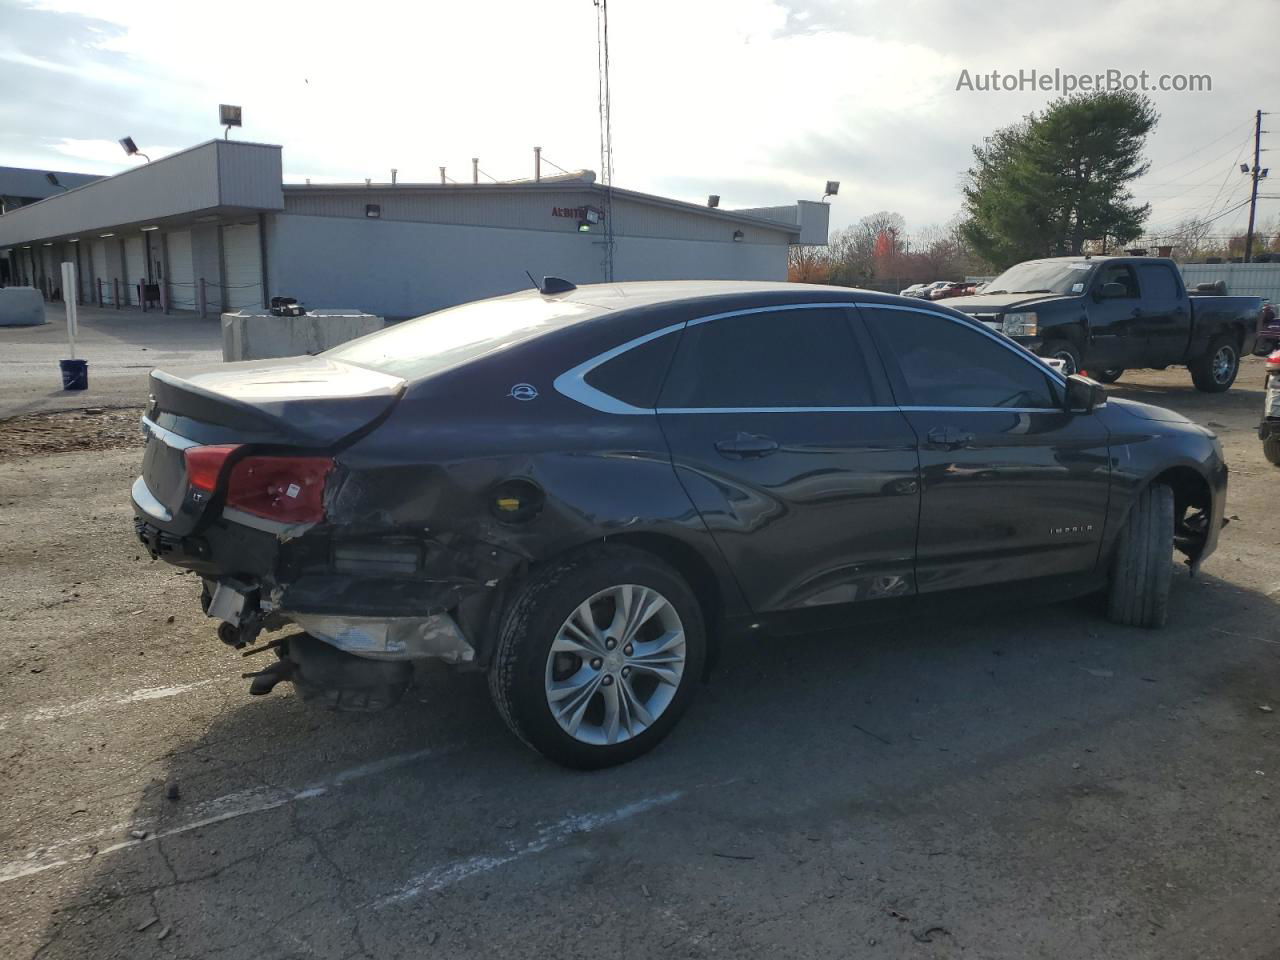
point(634, 294)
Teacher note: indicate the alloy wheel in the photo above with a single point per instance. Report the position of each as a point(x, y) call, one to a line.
point(615, 664)
point(1223, 365)
point(1068, 361)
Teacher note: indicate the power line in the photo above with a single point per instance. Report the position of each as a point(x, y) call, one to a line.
point(1199, 149)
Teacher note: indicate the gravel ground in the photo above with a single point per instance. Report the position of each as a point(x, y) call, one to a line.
point(1014, 784)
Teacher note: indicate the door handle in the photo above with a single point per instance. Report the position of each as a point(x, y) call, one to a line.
point(745, 446)
point(948, 438)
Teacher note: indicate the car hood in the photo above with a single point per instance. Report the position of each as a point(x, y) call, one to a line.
point(1147, 411)
point(998, 303)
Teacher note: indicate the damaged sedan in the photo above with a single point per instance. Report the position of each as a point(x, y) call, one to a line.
point(585, 491)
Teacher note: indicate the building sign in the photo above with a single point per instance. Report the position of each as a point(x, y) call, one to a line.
point(589, 214)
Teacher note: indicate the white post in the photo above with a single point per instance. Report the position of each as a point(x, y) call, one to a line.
point(73, 318)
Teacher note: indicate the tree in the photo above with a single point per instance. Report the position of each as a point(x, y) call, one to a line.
point(1050, 183)
point(808, 264)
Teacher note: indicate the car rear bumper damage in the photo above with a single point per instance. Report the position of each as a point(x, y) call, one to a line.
point(376, 608)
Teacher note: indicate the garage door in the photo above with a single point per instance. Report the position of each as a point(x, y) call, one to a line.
point(182, 284)
point(101, 275)
point(135, 262)
point(242, 266)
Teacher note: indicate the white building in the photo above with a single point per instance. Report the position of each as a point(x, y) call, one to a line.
point(214, 226)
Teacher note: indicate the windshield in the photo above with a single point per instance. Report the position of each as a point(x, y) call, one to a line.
point(1041, 276)
point(435, 342)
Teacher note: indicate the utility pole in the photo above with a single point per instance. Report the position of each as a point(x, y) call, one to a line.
point(1255, 174)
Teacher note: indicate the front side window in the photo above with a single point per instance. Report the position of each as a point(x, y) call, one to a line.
point(779, 358)
point(947, 363)
point(1122, 274)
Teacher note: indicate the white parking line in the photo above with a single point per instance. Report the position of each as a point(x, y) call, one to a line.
point(455, 871)
point(106, 700)
point(228, 807)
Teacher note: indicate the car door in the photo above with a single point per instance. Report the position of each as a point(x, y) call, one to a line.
point(1166, 318)
point(1013, 486)
point(787, 441)
point(1116, 337)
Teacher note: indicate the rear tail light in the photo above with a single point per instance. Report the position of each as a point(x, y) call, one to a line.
point(204, 465)
point(287, 489)
point(1273, 362)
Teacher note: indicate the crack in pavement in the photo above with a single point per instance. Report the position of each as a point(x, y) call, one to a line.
point(228, 807)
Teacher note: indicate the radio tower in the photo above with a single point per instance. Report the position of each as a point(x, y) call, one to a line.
point(606, 132)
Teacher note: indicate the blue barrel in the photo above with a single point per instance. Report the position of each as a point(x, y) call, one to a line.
point(75, 374)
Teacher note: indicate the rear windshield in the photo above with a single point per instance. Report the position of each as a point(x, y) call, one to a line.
point(428, 345)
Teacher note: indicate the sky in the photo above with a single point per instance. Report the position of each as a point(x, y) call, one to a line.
point(760, 101)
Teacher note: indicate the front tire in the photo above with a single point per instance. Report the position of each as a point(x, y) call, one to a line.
point(598, 655)
point(1215, 370)
point(1142, 566)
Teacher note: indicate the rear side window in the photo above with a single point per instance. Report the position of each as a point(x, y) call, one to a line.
point(779, 358)
point(1157, 281)
point(947, 363)
point(636, 376)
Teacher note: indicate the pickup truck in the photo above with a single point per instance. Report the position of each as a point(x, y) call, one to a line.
point(1105, 315)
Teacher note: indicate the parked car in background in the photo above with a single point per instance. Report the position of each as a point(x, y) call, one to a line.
point(1268, 331)
point(584, 492)
point(915, 290)
point(950, 288)
point(1110, 314)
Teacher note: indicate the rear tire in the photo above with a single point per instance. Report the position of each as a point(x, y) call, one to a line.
point(626, 708)
point(1271, 449)
point(1215, 370)
point(1142, 566)
point(1065, 351)
point(1108, 376)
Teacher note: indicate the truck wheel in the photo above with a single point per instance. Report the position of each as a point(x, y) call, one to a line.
point(1108, 376)
point(1142, 566)
point(598, 656)
point(1215, 370)
point(1271, 449)
point(1065, 351)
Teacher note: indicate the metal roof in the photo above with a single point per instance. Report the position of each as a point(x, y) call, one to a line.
point(26, 182)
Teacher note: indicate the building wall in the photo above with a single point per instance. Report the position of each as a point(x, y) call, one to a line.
point(526, 207)
point(401, 269)
point(1243, 279)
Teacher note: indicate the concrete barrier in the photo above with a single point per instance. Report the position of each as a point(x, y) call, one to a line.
point(261, 336)
point(21, 307)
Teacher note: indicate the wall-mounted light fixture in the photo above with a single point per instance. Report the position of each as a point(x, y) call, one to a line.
point(373, 210)
point(103, 236)
point(833, 187)
point(150, 228)
point(737, 236)
point(48, 243)
point(131, 148)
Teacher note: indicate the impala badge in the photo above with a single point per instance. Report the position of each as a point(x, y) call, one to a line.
point(524, 391)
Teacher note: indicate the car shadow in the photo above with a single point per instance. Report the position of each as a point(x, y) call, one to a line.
point(294, 832)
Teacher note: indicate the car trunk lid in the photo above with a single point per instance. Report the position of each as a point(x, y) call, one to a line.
point(307, 404)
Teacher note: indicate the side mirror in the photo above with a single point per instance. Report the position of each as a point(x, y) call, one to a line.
point(1083, 394)
point(1110, 290)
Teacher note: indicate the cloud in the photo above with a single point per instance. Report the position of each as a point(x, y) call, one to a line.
point(761, 101)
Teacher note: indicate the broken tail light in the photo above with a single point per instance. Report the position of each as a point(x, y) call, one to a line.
point(286, 489)
point(204, 465)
